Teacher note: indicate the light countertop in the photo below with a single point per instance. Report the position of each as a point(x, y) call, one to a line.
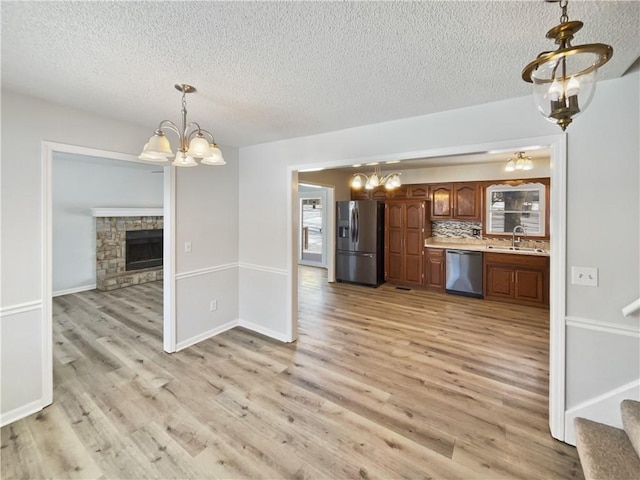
point(485, 246)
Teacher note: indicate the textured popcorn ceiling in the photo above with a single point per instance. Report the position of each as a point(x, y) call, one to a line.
point(267, 71)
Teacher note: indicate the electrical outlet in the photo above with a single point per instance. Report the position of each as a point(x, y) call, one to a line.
point(213, 305)
point(587, 276)
point(187, 247)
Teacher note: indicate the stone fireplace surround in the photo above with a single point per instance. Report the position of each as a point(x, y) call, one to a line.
point(111, 227)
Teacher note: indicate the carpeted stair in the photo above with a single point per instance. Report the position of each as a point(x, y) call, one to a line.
point(609, 453)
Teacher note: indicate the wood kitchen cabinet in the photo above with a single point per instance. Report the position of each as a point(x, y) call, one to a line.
point(360, 194)
point(522, 279)
point(411, 191)
point(434, 266)
point(405, 223)
point(456, 201)
point(419, 190)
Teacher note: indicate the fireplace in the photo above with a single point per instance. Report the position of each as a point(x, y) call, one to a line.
point(143, 249)
point(128, 247)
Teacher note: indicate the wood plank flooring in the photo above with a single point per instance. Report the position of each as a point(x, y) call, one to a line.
point(382, 383)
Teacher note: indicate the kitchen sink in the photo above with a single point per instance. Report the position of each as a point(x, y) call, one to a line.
point(518, 249)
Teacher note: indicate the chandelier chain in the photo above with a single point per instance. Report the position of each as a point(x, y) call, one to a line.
point(563, 4)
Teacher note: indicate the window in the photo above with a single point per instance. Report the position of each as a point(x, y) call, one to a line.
point(509, 206)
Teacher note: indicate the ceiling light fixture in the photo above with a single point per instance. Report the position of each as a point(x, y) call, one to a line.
point(390, 181)
point(519, 163)
point(192, 143)
point(564, 80)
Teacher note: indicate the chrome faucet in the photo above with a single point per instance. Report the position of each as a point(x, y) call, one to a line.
point(513, 237)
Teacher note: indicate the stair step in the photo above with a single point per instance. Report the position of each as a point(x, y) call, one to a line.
point(630, 410)
point(605, 452)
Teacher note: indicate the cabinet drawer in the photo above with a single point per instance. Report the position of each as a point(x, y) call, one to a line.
point(516, 260)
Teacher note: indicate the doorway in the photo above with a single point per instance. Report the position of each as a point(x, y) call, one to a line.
point(312, 248)
point(558, 160)
point(49, 149)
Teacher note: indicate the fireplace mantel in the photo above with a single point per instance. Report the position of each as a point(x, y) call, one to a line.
point(127, 212)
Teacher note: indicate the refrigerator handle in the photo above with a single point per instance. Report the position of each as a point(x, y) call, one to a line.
point(351, 224)
point(357, 226)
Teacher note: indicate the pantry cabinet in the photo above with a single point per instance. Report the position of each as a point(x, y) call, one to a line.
point(405, 224)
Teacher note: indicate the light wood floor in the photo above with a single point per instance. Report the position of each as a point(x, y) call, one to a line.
point(382, 383)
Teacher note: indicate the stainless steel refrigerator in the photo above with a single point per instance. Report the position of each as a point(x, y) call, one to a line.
point(360, 242)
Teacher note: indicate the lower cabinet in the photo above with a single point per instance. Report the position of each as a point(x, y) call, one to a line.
point(520, 279)
point(434, 268)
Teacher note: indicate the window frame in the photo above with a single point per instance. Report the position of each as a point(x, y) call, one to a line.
point(541, 184)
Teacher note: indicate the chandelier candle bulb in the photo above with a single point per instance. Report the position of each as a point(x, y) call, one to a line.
point(519, 163)
point(192, 143)
point(390, 181)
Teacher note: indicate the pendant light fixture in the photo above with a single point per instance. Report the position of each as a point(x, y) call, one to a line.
point(564, 80)
point(519, 163)
point(390, 181)
point(192, 143)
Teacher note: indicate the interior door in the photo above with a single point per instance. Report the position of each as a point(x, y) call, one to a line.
point(313, 228)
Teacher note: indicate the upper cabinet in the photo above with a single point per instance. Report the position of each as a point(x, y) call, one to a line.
point(441, 201)
point(420, 190)
point(456, 201)
point(467, 201)
point(404, 192)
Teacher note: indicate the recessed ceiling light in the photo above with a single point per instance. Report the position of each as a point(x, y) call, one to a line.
point(393, 161)
point(356, 165)
point(371, 164)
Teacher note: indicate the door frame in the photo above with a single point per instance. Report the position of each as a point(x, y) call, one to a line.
point(169, 317)
point(557, 229)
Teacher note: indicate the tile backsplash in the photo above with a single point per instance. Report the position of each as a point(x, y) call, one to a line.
point(454, 229)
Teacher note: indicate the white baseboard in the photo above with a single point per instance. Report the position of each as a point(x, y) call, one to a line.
point(603, 408)
point(205, 335)
point(264, 331)
point(68, 291)
point(228, 326)
point(21, 412)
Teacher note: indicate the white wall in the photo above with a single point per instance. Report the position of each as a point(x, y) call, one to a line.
point(206, 212)
point(472, 172)
point(207, 216)
point(603, 206)
point(339, 179)
point(80, 183)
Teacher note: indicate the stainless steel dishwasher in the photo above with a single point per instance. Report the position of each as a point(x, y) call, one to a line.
point(464, 273)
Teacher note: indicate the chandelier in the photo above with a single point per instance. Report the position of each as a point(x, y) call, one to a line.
point(519, 163)
point(390, 181)
point(564, 80)
point(192, 143)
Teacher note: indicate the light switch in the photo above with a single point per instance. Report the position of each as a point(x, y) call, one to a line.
point(187, 247)
point(587, 276)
